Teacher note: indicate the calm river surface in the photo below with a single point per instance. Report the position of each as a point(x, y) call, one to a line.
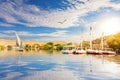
point(45, 65)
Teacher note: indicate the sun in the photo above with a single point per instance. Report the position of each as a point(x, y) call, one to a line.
point(111, 25)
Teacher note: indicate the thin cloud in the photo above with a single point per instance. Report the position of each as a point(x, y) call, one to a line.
point(28, 34)
point(5, 25)
point(53, 36)
point(3, 35)
point(17, 12)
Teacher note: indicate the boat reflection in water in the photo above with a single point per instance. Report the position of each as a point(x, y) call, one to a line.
point(43, 65)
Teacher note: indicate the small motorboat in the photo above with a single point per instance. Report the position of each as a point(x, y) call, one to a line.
point(65, 51)
point(69, 49)
point(80, 51)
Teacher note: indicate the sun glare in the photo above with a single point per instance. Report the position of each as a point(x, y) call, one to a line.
point(111, 25)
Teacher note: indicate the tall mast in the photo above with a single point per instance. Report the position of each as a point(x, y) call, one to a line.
point(90, 37)
point(102, 45)
point(81, 45)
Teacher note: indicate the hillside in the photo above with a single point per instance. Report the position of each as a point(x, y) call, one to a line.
point(31, 42)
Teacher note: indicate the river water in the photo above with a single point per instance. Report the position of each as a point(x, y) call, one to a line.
point(45, 65)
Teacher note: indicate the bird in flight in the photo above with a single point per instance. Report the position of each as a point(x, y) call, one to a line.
point(62, 21)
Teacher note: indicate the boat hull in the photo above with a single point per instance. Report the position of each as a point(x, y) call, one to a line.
point(108, 53)
point(19, 49)
point(68, 51)
point(94, 52)
point(80, 52)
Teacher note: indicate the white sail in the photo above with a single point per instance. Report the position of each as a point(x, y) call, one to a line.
point(18, 41)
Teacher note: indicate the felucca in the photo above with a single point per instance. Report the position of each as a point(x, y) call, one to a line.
point(19, 45)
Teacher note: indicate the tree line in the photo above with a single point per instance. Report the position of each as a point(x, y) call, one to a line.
point(112, 41)
point(36, 47)
point(47, 46)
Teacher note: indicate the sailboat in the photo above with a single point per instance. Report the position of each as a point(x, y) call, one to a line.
point(81, 51)
point(19, 45)
point(91, 51)
point(108, 51)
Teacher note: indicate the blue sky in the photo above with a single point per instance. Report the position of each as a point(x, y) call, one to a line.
point(58, 20)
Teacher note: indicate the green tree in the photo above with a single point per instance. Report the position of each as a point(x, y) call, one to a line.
point(48, 46)
point(59, 47)
point(27, 47)
point(36, 47)
point(9, 47)
point(2, 47)
point(86, 44)
point(113, 41)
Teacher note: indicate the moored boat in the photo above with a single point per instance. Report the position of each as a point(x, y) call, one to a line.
point(95, 52)
point(69, 49)
point(109, 52)
point(91, 50)
point(80, 51)
point(65, 51)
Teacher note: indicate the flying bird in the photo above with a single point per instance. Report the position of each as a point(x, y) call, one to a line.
point(62, 21)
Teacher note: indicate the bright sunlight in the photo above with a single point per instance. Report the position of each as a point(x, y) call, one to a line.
point(111, 25)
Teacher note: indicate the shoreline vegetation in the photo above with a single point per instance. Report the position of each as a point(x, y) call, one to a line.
point(111, 41)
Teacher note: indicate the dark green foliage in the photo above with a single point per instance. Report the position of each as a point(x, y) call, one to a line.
point(36, 47)
point(2, 47)
point(27, 47)
point(113, 42)
point(9, 47)
point(48, 46)
point(59, 47)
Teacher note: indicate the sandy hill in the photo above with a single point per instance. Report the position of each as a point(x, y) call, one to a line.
point(7, 42)
point(31, 42)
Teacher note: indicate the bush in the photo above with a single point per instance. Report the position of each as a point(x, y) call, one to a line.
point(9, 47)
point(2, 47)
point(27, 47)
point(59, 47)
point(48, 46)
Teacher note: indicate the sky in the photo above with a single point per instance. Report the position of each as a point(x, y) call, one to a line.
point(58, 20)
